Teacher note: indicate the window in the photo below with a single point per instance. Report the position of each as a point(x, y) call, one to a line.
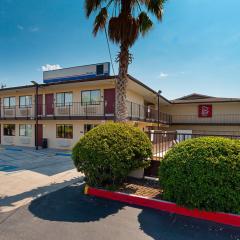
point(9, 129)
point(64, 99)
point(9, 102)
point(25, 130)
point(25, 101)
point(88, 127)
point(92, 97)
point(100, 69)
point(64, 131)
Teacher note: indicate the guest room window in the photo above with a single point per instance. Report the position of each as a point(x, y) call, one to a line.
point(9, 129)
point(64, 131)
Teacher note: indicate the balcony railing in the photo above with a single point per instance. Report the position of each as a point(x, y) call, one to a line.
point(26, 112)
point(80, 110)
point(215, 119)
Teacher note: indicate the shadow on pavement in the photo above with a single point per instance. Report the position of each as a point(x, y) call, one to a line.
point(71, 205)
point(9, 201)
point(160, 225)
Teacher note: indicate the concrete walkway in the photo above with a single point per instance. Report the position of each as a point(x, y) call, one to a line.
point(26, 174)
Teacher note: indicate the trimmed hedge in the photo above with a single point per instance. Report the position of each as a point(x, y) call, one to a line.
point(109, 152)
point(203, 173)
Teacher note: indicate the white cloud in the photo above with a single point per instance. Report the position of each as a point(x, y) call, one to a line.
point(163, 75)
point(49, 67)
point(33, 29)
point(20, 27)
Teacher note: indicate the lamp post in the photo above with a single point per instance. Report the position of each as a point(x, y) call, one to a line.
point(158, 95)
point(36, 113)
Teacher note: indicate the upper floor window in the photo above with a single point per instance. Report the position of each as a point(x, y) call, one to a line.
point(64, 99)
point(91, 97)
point(25, 101)
point(9, 102)
point(9, 129)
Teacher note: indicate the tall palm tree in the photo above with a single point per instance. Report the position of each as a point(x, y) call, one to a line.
point(125, 20)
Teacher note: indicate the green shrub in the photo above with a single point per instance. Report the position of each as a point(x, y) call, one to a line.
point(109, 152)
point(203, 173)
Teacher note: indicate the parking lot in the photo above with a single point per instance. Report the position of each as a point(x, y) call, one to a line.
point(26, 174)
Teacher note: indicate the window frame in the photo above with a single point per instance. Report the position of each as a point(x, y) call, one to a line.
point(91, 102)
point(64, 131)
point(25, 106)
point(9, 106)
point(64, 104)
point(26, 130)
point(12, 135)
point(93, 126)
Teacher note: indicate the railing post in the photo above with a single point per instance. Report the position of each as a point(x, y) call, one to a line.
point(104, 110)
point(86, 110)
point(139, 111)
point(69, 110)
point(131, 110)
point(15, 112)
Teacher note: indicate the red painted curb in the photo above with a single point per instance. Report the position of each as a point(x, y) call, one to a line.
point(218, 217)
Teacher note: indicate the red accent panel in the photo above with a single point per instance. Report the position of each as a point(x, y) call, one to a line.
point(40, 102)
point(49, 98)
point(109, 100)
point(224, 218)
point(205, 111)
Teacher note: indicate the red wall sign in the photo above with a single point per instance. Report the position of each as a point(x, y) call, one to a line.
point(205, 111)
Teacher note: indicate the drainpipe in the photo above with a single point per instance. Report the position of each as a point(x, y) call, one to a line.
point(36, 113)
point(158, 94)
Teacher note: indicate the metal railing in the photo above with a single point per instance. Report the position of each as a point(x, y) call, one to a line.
point(26, 112)
point(163, 141)
point(230, 118)
point(147, 113)
point(81, 110)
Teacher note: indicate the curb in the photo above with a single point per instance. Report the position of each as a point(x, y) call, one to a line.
point(218, 217)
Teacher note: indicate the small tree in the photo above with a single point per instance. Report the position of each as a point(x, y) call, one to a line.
point(109, 152)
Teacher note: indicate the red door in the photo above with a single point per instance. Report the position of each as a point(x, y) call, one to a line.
point(40, 104)
point(39, 135)
point(109, 100)
point(49, 104)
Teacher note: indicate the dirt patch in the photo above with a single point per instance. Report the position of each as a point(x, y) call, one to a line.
point(142, 187)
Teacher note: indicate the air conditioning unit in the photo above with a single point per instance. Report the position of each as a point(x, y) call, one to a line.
point(9, 112)
point(90, 110)
point(24, 112)
point(62, 110)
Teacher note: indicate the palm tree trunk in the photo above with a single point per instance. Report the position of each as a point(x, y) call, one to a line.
point(121, 84)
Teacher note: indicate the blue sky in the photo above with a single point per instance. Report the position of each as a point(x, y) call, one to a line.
point(195, 49)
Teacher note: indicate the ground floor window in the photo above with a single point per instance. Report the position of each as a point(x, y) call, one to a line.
point(9, 129)
point(88, 127)
point(25, 130)
point(64, 131)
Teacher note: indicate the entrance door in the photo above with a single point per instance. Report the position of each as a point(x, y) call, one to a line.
point(49, 104)
point(39, 135)
point(109, 100)
point(40, 105)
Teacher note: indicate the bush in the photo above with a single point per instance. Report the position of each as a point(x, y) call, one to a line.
point(203, 173)
point(109, 152)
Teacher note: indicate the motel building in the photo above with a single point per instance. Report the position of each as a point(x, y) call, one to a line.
point(71, 101)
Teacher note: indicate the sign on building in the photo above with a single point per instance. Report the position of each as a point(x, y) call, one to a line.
point(205, 111)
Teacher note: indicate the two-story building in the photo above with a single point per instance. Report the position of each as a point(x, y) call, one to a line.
point(71, 101)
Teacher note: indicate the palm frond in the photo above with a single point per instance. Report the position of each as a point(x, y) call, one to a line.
point(145, 23)
point(92, 5)
point(155, 7)
point(100, 20)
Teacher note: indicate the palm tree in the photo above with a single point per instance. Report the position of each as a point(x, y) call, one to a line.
point(125, 20)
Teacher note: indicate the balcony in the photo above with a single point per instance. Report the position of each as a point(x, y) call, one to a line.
point(216, 119)
point(81, 111)
point(16, 112)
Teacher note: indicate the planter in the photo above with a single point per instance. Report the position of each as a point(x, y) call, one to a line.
point(218, 217)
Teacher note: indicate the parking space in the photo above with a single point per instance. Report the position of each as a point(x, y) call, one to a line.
point(26, 173)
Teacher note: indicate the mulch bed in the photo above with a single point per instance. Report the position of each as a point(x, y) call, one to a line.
point(142, 187)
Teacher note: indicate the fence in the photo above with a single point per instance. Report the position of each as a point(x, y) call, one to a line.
point(163, 141)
